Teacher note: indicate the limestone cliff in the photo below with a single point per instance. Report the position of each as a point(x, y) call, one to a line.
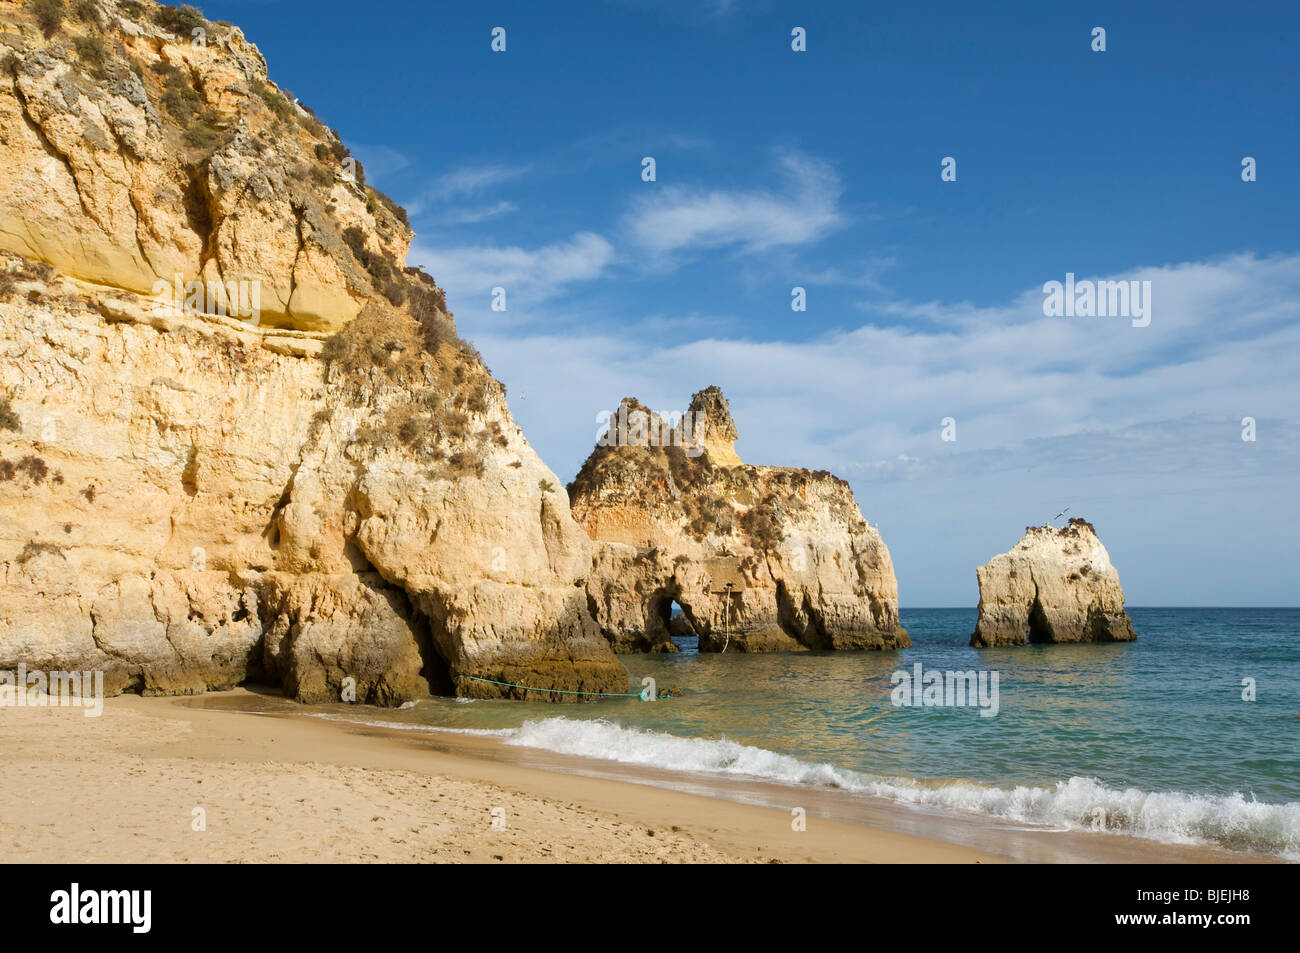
point(330, 491)
point(136, 152)
point(678, 516)
point(1056, 585)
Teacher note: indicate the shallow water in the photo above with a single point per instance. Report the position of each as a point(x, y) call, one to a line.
point(1151, 738)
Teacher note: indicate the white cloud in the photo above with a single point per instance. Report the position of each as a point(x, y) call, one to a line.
point(1221, 343)
point(462, 183)
point(472, 216)
point(380, 161)
point(1137, 428)
point(468, 273)
point(675, 219)
point(469, 180)
point(863, 274)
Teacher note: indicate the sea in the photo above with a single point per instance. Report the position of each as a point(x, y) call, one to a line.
point(1190, 735)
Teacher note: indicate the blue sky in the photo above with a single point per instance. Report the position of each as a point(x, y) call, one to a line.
point(821, 169)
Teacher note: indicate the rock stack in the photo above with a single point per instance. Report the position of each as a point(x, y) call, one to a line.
point(758, 558)
point(1056, 585)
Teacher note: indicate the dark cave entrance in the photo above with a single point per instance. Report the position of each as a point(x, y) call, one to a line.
point(1040, 630)
point(436, 670)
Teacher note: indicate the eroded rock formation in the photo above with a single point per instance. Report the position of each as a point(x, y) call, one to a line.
point(1056, 585)
point(678, 516)
point(332, 490)
point(134, 154)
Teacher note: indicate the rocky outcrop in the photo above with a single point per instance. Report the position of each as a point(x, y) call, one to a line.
point(189, 507)
point(191, 499)
point(758, 558)
point(137, 154)
point(1056, 585)
point(327, 627)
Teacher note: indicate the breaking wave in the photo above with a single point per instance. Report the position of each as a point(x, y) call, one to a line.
point(1235, 822)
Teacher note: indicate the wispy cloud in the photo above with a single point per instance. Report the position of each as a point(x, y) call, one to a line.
point(1217, 345)
point(474, 215)
point(692, 11)
point(380, 161)
point(442, 195)
point(863, 274)
point(529, 275)
point(470, 180)
point(676, 219)
point(1049, 412)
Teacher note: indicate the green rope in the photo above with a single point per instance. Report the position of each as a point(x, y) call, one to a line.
point(561, 691)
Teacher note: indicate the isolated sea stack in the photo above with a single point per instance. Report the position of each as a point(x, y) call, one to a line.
point(239, 438)
point(1057, 585)
point(759, 558)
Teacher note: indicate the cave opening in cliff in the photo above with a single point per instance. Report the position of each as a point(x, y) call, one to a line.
point(669, 623)
point(681, 629)
point(1040, 630)
point(435, 668)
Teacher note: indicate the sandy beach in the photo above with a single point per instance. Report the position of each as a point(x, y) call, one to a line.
point(125, 787)
point(246, 777)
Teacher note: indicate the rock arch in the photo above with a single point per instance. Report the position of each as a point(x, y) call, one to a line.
point(683, 517)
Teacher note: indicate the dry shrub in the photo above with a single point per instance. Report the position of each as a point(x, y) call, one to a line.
point(379, 339)
point(35, 468)
point(49, 16)
point(181, 21)
point(32, 548)
point(9, 420)
point(465, 463)
point(762, 526)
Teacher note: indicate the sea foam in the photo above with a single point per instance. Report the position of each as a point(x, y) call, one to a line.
point(1234, 821)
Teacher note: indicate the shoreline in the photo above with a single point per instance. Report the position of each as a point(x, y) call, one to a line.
point(123, 788)
point(296, 787)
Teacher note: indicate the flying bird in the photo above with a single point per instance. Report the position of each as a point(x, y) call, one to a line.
point(1062, 513)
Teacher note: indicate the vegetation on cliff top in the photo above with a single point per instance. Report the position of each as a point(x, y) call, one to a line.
point(443, 386)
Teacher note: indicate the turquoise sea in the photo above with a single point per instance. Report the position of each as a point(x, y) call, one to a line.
point(1151, 738)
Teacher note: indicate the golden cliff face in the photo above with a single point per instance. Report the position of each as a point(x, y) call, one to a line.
point(1056, 585)
point(137, 154)
point(193, 503)
point(678, 518)
point(331, 495)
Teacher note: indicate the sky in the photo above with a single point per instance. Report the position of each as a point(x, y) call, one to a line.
point(820, 169)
